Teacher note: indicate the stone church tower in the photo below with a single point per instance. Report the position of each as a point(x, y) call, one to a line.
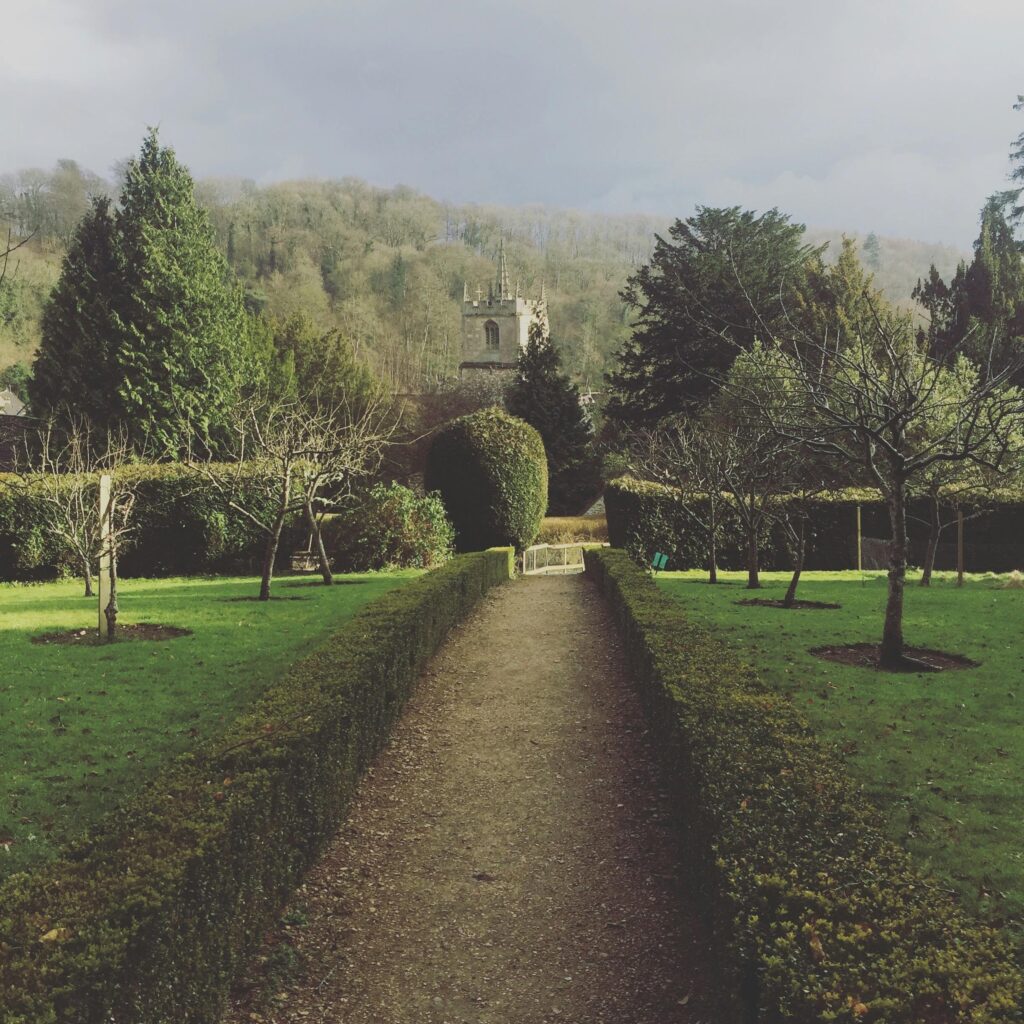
point(494, 330)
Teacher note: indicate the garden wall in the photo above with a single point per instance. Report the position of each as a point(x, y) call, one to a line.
point(815, 916)
point(149, 917)
point(645, 517)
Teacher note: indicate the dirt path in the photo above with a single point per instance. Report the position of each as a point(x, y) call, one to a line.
point(509, 859)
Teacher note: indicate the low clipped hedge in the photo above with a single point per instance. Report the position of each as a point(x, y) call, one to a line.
point(147, 919)
point(492, 474)
point(815, 915)
point(182, 524)
point(644, 517)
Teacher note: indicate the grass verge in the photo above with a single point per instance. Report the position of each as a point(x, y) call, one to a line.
point(940, 754)
point(85, 725)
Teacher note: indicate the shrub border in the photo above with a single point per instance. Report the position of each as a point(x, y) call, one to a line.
point(148, 918)
point(815, 915)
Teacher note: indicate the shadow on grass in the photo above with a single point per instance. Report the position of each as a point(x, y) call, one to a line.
point(338, 582)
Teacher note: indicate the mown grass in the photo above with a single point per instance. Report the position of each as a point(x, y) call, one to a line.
point(84, 726)
point(942, 755)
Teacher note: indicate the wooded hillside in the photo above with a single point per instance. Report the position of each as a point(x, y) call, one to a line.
point(387, 266)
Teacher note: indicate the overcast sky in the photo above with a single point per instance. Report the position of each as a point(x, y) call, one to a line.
point(856, 114)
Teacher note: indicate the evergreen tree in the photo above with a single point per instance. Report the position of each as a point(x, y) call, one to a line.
point(984, 302)
point(76, 367)
point(312, 363)
point(723, 279)
point(185, 346)
point(544, 396)
point(1014, 198)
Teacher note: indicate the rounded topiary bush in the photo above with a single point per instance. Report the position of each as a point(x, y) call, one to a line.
point(389, 527)
point(492, 475)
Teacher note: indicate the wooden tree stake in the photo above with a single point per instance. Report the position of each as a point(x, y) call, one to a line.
point(105, 553)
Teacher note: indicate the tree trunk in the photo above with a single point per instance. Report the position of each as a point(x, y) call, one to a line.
point(891, 655)
point(111, 610)
point(798, 567)
point(712, 542)
point(318, 540)
point(934, 529)
point(87, 576)
point(753, 580)
point(274, 539)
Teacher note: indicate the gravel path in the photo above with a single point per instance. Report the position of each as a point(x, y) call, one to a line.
point(510, 859)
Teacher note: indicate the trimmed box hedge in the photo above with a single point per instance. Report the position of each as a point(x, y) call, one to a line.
point(148, 918)
point(492, 475)
point(644, 517)
point(182, 525)
point(815, 915)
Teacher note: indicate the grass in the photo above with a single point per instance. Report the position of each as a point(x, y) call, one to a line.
point(83, 726)
point(942, 755)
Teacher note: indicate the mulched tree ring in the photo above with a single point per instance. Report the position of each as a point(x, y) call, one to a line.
point(920, 659)
point(128, 631)
point(764, 602)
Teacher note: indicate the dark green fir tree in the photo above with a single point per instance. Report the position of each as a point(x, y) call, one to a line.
point(76, 370)
point(185, 349)
point(544, 396)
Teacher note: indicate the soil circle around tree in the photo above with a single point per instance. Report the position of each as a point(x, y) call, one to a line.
point(764, 602)
point(127, 631)
point(918, 659)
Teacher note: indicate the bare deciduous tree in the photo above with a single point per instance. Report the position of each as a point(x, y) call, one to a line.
point(694, 460)
point(308, 450)
point(59, 471)
point(882, 404)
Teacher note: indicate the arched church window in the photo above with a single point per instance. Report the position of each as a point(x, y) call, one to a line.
point(491, 334)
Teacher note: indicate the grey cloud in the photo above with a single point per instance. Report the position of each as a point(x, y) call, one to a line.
point(858, 114)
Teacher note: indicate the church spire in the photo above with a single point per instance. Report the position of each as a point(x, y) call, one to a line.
point(465, 291)
point(502, 281)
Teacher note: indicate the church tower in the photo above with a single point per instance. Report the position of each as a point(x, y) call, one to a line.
point(495, 329)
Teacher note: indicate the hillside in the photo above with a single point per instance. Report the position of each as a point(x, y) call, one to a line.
point(388, 266)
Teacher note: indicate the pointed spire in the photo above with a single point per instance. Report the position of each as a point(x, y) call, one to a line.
point(543, 292)
point(519, 291)
point(502, 280)
point(465, 291)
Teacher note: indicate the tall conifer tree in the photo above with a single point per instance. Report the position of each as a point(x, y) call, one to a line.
point(76, 368)
point(547, 399)
point(146, 328)
point(184, 351)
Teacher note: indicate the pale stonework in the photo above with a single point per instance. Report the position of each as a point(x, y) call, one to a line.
point(503, 315)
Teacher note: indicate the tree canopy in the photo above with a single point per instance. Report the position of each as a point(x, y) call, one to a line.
point(723, 279)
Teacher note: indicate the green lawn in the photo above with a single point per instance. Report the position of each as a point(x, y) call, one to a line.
point(83, 726)
point(941, 754)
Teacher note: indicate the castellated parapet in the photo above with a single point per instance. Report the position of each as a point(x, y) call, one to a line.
point(496, 328)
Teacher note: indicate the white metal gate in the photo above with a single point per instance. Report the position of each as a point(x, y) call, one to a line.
point(555, 559)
